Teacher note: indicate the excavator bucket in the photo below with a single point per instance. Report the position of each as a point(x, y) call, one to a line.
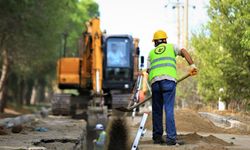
point(123, 109)
point(129, 109)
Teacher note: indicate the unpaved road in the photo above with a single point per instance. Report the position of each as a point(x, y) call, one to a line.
point(197, 133)
point(200, 141)
point(63, 133)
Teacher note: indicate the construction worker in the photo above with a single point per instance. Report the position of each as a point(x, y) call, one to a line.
point(99, 143)
point(162, 76)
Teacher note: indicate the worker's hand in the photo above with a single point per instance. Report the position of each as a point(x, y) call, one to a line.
point(94, 141)
point(139, 73)
point(141, 95)
point(193, 70)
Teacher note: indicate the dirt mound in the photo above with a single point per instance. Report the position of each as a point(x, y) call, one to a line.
point(11, 112)
point(190, 121)
point(194, 138)
point(6, 115)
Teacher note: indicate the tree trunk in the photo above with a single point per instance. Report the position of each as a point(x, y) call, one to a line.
point(20, 92)
point(227, 102)
point(4, 96)
point(28, 93)
point(41, 90)
point(3, 78)
point(33, 94)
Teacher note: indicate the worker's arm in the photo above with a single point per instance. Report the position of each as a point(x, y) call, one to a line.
point(186, 55)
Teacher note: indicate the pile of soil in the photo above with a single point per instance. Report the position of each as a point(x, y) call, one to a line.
point(194, 138)
point(7, 115)
point(190, 121)
point(11, 112)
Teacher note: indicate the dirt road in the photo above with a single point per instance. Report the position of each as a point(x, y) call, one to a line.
point(52, 133)
point(197, 133)
point(64, 133)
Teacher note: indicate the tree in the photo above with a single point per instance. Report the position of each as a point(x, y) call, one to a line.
point(30, 37)
point(223, 50)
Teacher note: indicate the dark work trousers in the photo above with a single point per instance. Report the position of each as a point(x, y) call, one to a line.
point(163, 95)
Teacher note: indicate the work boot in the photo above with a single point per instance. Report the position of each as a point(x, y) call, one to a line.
point(174, 142)
point(170, 141)
point(159, 140)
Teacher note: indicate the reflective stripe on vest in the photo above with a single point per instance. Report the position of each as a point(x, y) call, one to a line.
point(163, 58)
point(163, 65)
point(162, 61)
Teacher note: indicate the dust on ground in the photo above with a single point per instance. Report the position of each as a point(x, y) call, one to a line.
point(53, 132)
point(194, 138)
point(192, 141)
point(190, 121)
point(10, 112)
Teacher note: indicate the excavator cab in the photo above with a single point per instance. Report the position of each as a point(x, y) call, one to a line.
point(118, 62)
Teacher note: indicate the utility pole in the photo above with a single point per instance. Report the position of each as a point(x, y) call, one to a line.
point(186, 23)
point(177, 5)
point(182, 27)
point(178, 23)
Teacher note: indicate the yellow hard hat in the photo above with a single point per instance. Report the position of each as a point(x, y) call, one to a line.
point(160, 34)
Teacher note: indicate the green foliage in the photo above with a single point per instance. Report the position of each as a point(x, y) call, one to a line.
point(223, 48)
point(186, 90)
point(83, 11)
point(31, 30)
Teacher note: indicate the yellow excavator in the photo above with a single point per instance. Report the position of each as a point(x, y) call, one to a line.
point(103, 75)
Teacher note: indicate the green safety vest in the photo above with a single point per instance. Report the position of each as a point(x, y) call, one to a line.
point(100, 142)
point(162, 61)
point(101, 138)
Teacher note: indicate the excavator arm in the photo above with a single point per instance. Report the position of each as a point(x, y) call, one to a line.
point(92, 56)
point(86, 71)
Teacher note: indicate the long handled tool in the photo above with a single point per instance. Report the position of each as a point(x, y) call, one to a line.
point(129, 109)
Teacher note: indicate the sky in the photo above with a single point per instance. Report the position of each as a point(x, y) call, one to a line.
point(141, 18)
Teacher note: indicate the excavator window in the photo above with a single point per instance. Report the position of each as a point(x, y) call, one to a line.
point(118, 62)
point(118, 52)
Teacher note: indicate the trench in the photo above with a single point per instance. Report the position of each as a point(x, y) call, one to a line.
point(64, 143)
